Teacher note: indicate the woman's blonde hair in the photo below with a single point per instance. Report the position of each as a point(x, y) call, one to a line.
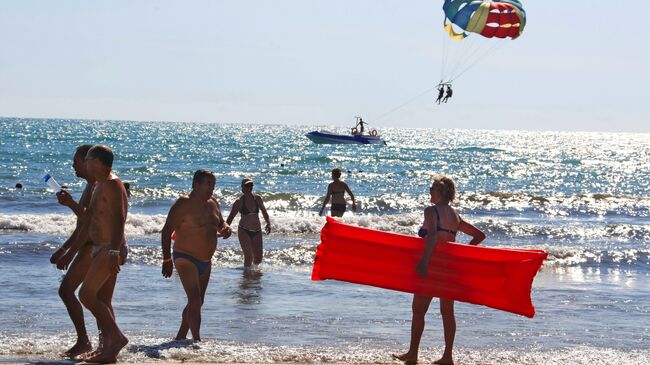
point(445, 185)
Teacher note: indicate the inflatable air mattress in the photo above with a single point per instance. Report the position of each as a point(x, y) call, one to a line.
point(499, 278)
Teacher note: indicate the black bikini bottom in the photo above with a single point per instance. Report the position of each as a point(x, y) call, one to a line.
point(250, 232)
point(339, 207)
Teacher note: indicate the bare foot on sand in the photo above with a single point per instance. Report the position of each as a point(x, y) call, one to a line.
point(444, 361)
point(406, 357)
point(76, 350)
point(108, 355)
point(92, 353)
point(85, 355)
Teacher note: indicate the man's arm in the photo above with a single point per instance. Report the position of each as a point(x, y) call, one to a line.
point(74, 243)
point(66, 199)
point(78, 209)
point(172, 221)
point(117, 195)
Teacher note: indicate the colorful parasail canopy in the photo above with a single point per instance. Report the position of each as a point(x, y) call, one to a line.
point(496, 18)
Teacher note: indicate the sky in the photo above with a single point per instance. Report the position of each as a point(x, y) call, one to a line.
point(578, 66)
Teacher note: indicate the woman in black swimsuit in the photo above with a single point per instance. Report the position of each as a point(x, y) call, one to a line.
point(250, 228)
point(336, 190)
point(441, 222)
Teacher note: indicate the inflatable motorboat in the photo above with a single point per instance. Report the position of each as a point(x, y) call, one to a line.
point(356, 136)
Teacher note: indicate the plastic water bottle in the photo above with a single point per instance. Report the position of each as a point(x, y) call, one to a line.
point(49, 180)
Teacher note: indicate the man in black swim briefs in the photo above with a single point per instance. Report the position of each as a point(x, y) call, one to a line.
point(197, 221)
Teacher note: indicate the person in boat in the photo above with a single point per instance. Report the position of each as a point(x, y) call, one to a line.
point(441, 93)
point(361, 126)
point(336, 191)
point(450, 92)
point(441, 223)
point(250, 228)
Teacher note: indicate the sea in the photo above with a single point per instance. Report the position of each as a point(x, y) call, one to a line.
point(583, 197)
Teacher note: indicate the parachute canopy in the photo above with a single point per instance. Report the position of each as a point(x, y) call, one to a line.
point(496, 18)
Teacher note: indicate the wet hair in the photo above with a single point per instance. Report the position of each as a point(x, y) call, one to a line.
point(201, 175)
point(446, 186)
point(103, 153)
point(336, 172)
point(83, 149)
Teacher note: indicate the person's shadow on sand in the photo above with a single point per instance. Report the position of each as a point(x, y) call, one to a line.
point(153, 351)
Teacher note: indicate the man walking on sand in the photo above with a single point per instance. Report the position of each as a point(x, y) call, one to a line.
point(103, 225)
point(77, 270)
point(197, 221)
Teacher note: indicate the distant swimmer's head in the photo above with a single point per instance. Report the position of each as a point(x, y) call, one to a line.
point(443, 188)
point(247, 184)
point(336, 173)
point(98, 158)
point(79, 160)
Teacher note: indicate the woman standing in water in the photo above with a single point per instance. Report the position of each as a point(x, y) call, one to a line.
point(250, 228)
point(441, 222)
point(336, 190)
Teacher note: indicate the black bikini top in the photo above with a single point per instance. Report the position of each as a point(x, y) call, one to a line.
point(244, 210)
point(423, 232)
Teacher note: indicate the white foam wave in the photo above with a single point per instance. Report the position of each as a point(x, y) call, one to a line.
point(309, 223)
point(556, 205)
point(64, 224)
point(144, 348)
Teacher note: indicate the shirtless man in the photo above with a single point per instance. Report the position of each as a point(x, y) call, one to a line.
point(104, 227)
point(197, 221)
point(77, 270)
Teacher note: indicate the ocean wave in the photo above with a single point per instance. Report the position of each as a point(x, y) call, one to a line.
point(143, 348)
point(573, 256)
point(309, 223)
point(558, 205)
point(562, 231)
point(64, 224)
point(503, 202)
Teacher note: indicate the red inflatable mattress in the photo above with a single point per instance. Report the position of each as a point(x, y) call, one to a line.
point(499, 278)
